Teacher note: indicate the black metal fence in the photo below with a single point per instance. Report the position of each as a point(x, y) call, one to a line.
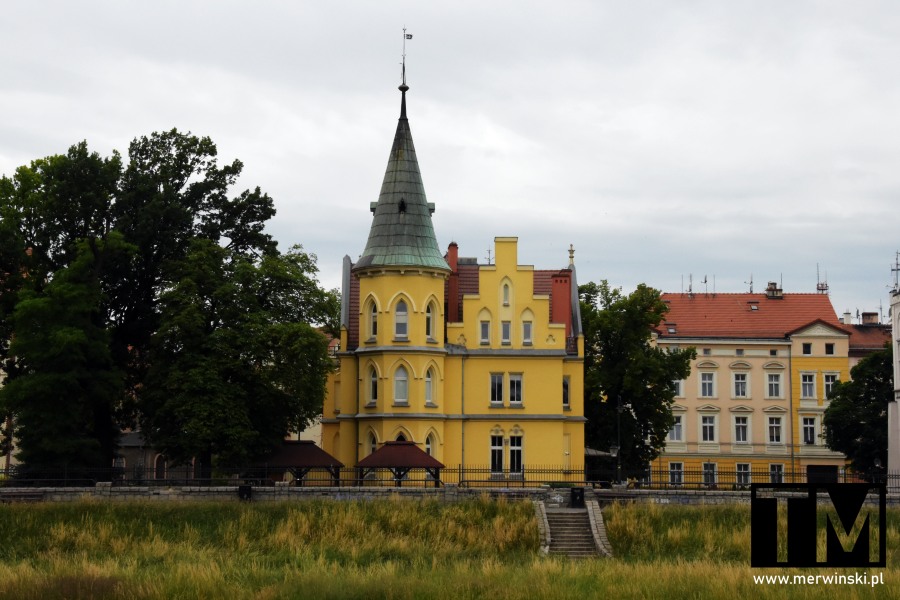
point(469, 476)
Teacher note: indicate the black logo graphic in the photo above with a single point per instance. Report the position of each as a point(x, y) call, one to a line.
point(836, 513)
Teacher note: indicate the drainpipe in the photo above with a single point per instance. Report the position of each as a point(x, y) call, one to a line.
point(791, 412)
point(463, 411)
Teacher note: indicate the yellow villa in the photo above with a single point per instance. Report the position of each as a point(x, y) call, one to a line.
point(479, 365)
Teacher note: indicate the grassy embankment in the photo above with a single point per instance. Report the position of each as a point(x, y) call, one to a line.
point(396, 549)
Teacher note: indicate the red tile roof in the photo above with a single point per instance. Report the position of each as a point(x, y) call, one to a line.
point(733, 315)
point(868, 338)
point(300, 453)
point(400, 455)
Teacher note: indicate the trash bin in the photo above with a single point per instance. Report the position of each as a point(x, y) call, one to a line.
point(245, 492)
point(576, 499)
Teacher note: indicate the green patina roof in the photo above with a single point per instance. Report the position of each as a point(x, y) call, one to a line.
point(402, 233)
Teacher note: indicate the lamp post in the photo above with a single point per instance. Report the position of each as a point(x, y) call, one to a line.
point(619, 438)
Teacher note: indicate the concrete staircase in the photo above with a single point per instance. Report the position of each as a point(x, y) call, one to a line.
point(570, 532)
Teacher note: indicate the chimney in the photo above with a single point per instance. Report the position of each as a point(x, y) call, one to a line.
point(848, 318)
point(560, 293)
point(870, 318)
point(773, 291)
point(453, 284)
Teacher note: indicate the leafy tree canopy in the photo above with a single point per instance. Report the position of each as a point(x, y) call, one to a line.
point(629, 383)
point(856, 418)
point(107, 265)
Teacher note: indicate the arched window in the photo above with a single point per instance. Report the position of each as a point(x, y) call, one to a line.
point(400, 321)
point(373, 321)
point(401, 437)
point(505, 294)
point(401, 380)
point(373, 443)
point(429, 386)
point(373, 385)
point(429, 321)
point(429, 445)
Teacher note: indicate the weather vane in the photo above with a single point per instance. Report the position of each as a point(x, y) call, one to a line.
point(406, 36)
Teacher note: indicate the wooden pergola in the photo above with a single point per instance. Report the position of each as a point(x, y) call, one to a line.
point(400, 458)
point(299, 458)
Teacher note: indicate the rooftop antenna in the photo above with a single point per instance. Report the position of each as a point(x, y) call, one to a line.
point(690, 285)
point(714, 286)
point(821, 286)
point(750, 282)
point(895, 269)
point(489, 257)
point(682, 283)
point(705, 287)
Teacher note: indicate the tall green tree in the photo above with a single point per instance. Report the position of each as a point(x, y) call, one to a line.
point(233, 366)
point(855, 421)
point(100, 252)
point(629, 383)
point(65, 393)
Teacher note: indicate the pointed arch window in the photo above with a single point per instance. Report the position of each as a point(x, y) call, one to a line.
point(401, 386)
point(373, 385)
point(401, 320)
point(373, 443)
point(429, 387)
point(429, 445)
point(373, 321)
point(505, 294)
point(429, 321)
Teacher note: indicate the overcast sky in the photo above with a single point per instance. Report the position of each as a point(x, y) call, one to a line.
point(663, 139)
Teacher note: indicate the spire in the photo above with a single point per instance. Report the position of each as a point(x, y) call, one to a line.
point(402, 233)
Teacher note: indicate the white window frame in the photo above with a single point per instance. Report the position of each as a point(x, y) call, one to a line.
point(516, 454)
point(742, 427)
point(526, 333)
point(506, 332)
point(678, 384)
point(776, 472)
point(496, 454)
point(809, 428)
point(676, 433)
point(740, 384)
point(708, 429)
point(485, 332)
point(710, 472)
point(516, 389)
point(808, 386)
point(429, 387)
point(429, 321)
point(401, 386)
point(743, 474)
point(707, 378)
point(401, 320)
point(676, 473)
point(373, 385)
point(829, 385)
point(773, 382)
point(496, 389)
point(373, 321)
point(775, 430)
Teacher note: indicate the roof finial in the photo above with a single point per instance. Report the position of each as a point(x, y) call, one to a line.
point(403, 87)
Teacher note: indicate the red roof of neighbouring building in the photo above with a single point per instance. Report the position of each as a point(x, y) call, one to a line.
point(734, 315)
point(868, 338)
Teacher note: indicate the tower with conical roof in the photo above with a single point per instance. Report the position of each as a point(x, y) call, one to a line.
point(478, 365)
